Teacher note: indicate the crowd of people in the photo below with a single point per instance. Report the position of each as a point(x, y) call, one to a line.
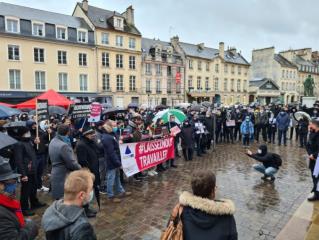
point(74, 160)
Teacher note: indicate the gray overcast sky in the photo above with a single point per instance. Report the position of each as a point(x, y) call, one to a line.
point(245, 24)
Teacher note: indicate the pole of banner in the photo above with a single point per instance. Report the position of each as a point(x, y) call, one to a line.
point(214, 132)
point(37, 121)
point(83, 123)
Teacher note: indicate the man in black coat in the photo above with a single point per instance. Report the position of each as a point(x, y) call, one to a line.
point(312, 148)
point(87, 153)
point(187, 137)
point(25, 159)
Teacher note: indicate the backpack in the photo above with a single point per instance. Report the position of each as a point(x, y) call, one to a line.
point(277, 159)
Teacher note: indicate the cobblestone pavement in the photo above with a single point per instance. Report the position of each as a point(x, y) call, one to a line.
point(262, 209)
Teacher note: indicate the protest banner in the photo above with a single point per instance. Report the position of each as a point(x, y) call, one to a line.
point(140, 156)
point(95, 115)
point(230, 123)
point(80, 110)
point(42, 110)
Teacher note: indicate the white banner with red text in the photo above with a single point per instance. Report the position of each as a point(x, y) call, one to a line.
point(140, 156)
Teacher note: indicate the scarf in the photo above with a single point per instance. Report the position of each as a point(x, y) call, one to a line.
point(13, 205)
point(65, 139)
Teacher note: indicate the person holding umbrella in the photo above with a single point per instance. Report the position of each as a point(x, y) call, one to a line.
point(12, 223)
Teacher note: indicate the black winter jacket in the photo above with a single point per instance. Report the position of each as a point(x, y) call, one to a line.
point(10, 227)
point(87, 153)
point(207, 219)
point(312, 147)
point(187, 136)
point(24, 157)
point(266, 158)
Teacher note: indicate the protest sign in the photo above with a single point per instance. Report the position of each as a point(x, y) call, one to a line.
point(175, 130)
point(80, 110)
point(42, 109)
point(95, 114)
point(230, 123)
point(140, 156)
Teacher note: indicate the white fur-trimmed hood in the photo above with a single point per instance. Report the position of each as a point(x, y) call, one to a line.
point(221, 207)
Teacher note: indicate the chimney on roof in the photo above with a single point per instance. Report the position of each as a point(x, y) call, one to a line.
point(175, 40)
point(222, 50)
point(129, 15)
point(201, 46)
point(85, 5)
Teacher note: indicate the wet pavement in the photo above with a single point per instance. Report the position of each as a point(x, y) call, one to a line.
point(262, 209)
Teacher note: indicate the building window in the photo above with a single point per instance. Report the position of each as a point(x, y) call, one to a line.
point(238, 85)
point(132, 62)
point(190, 64)
point(119, 83)
point(82, 59)
point(12, 25)
point(283, 74)
point(216, 68)
point(82, 36)
point(13, 52)
point(118, 23)
point(245, 85)
point(290, 74)
point(148, 68)
point(63, 81)
point(226, 68)
point(132, 83)
point(119, 61)
point(148, 85)
point(61, 33)
point(169, 70)
point(169, 86)
point(106, 82)
point(62, 57)
point(287, 74)
point(38, 29)
point(225, 85)
point(158, 69)
point(190, 82)
point(105, 38)
point(207, 66)
point(15, 79)
point(199, 83)
point(132, 43)
point(232, 69)
point(207, 84)
point(158, 86)
point(83, 82)
point(216, 84)
point(105, 59)
point(40, 80)
point(239, 70)
point(232, 82)
point(199, 65)
point(119, 41)
point(39, 55)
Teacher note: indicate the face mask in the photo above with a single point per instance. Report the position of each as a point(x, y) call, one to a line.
point(259, 151)
point(10, 188)
point(90, 198)
point(27, 135)
point(247, 120)
point(115, 129)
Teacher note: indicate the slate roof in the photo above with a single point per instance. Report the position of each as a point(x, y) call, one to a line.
point(301, 61)
point(148, 43)
point(27, 13)
point(283, 61)
point(211, 53)
point(259, 82)
point(99, 17)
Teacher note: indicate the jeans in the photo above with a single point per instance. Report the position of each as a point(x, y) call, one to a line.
point(246, 138)
point(188, 154)
point(282, 134)
point(40, 166)
point(113, 181)
point(269, 172)
point(303, 139)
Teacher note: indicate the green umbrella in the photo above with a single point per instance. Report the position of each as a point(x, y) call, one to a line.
point(165, 114)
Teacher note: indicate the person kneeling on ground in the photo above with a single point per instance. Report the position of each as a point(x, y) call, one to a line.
point(202, 216)
point(270, 162)
point(65, 219)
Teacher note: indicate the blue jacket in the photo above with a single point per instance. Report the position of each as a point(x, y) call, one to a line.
point(112, 154)
point(247, 128)
point(283, 121)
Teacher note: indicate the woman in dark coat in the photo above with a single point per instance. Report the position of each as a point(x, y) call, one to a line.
point(187, 136)
point(203, 217)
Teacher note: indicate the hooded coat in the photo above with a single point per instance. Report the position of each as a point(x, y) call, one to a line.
point(65, 222)
point(283, 121)
point(207, 219)
point(265, 157)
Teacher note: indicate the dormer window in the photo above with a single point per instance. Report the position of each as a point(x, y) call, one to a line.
point(38, 29)
point(82, 36)
point(118, 23)
point(12, 25)
point(61, 33)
